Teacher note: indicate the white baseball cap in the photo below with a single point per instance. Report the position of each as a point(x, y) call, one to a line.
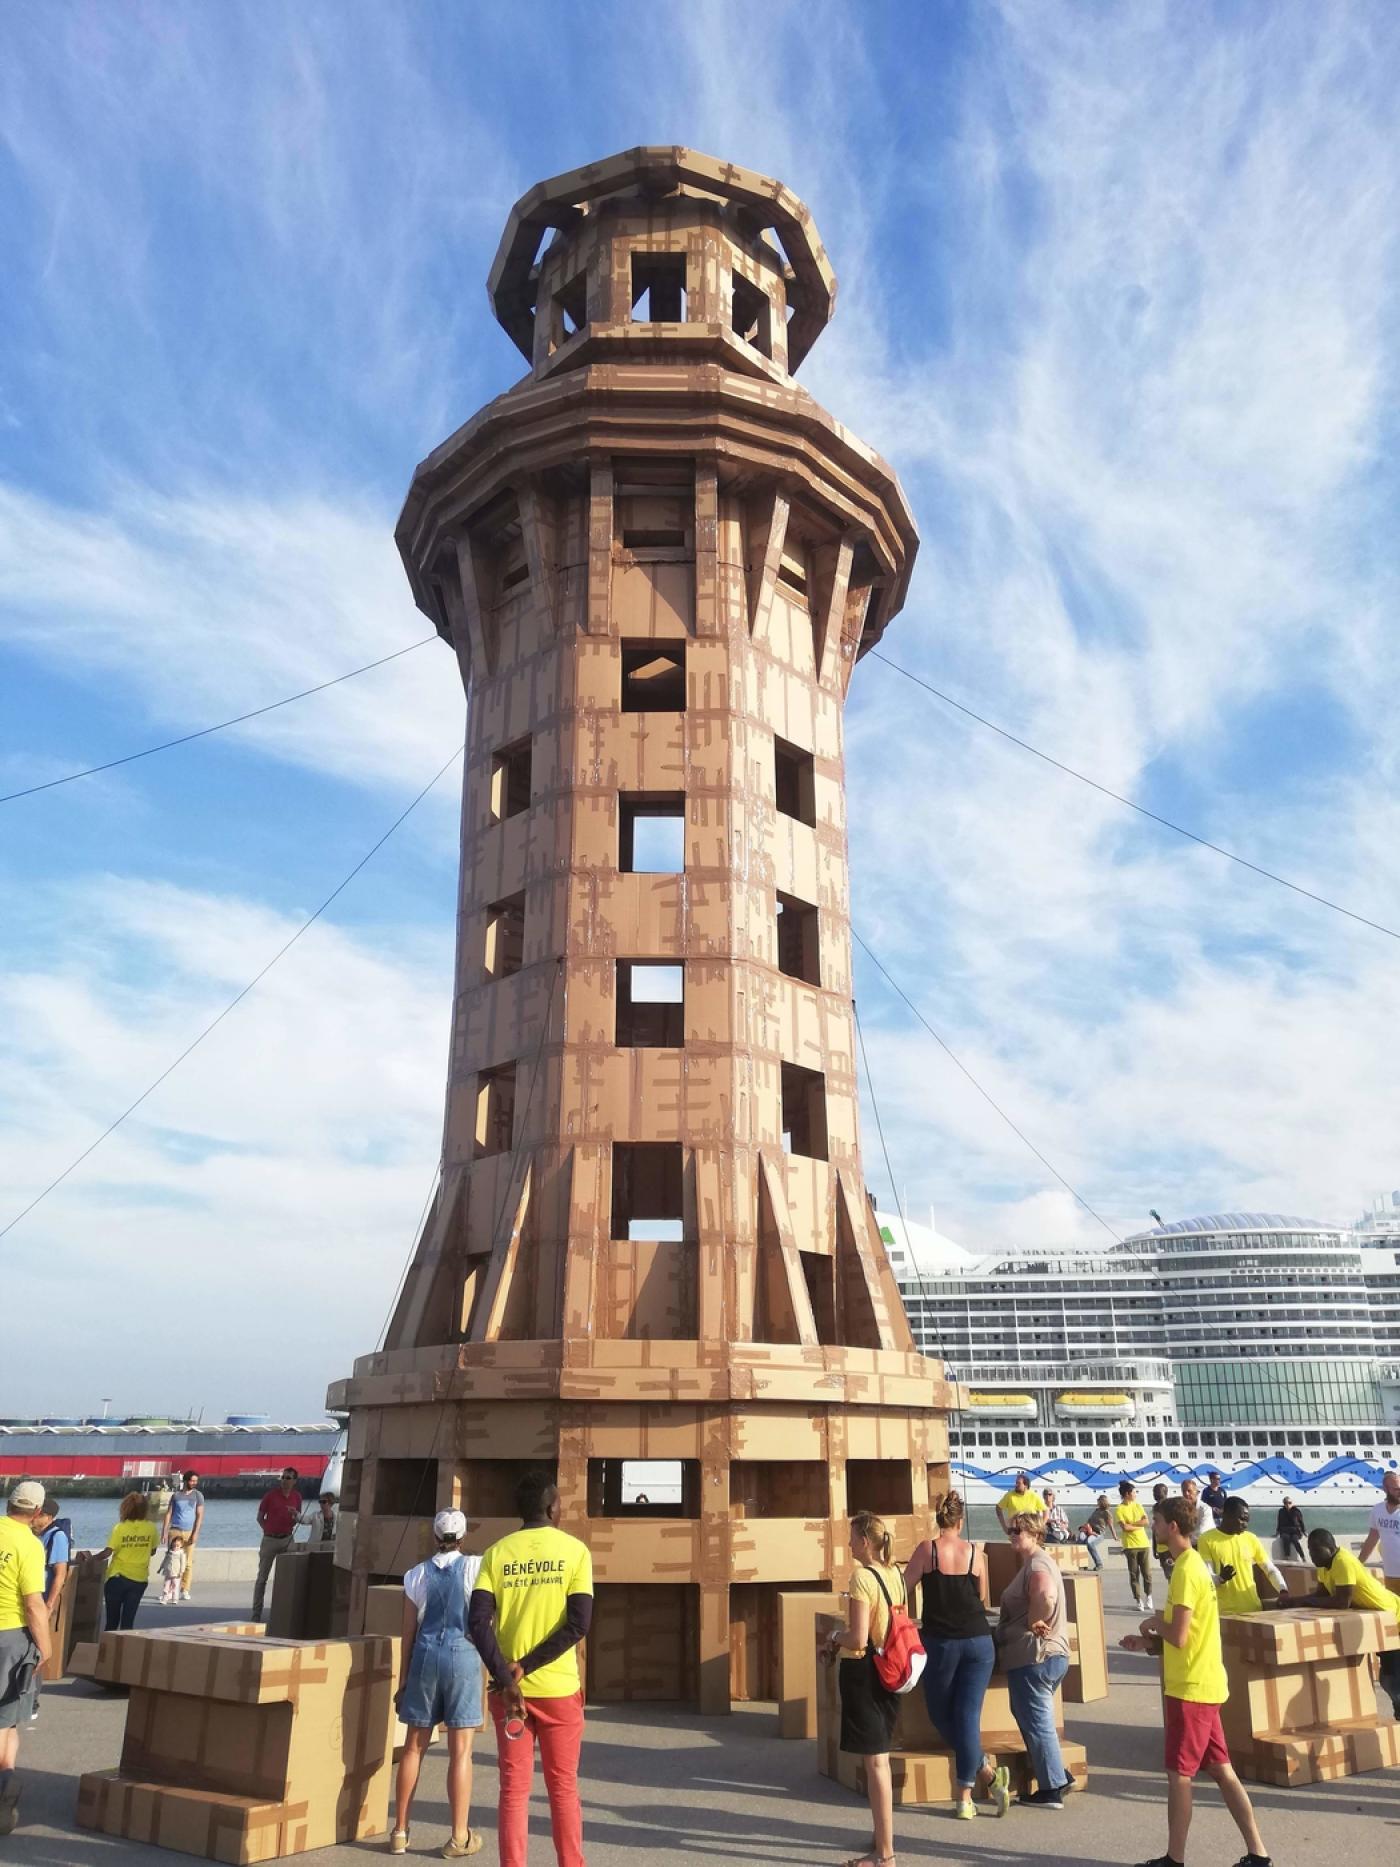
point(449, 1523)
point(29, 1495)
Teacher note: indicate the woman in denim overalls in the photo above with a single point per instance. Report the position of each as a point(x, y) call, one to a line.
point(439, 1682)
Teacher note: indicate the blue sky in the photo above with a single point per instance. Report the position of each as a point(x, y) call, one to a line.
point(1119, 300)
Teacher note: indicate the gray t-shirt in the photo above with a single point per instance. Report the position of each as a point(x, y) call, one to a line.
point(183, 1506)
point(1019, 1646)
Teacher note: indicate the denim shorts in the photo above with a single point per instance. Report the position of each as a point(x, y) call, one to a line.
point(444, 1685)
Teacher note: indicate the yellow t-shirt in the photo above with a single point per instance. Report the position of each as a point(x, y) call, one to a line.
point(1367, 1590)
point(1242, 1551)
point(132, 1546)
point(1195, 1672)
point(21, 1570)
point(532, 1573)
point(1015, 1502)
point(865, 1588)
point(1132, 1521)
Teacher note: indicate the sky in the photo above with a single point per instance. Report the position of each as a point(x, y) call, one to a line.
point(1119, 299)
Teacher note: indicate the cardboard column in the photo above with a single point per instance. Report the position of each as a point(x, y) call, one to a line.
point(656, 560)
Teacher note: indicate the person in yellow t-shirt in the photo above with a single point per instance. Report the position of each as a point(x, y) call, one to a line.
point(1344, 1582)
point(1234, 1552)
point(532, 1604)
point(1019, 1498)
point(24, 1633)
point(1130, 1529)
point(130, 1547)
point(1195, 1687)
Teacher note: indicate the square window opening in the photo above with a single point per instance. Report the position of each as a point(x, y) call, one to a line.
point(804, 1111)
point(779, 1488)
point(510, 781)
point(572, 302)
point(792, 573)
point(651, 833)
point(644, 1487)
point(794, 781)
point(658, 288)
point(799, 953)
point(753, 314)
point(505, 937)
point(486, 1487)
point(495, 1110)
point(885, 1486)
point(648, 1197)
point(405, 1487)
point(650, 1005)
point(653, 677)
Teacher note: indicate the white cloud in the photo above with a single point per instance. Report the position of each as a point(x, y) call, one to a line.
point(265, 1194)
point(203, 606)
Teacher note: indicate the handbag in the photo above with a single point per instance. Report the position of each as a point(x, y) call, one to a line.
point(900, 1661)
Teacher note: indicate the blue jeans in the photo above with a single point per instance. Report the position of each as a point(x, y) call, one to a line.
point(1033, 1691)
point(955, 1683)
point(123, 1597)
point(1091, 1543)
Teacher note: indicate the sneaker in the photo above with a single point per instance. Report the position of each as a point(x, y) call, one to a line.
point(1001, 1790)
point(1041, 1799)
point(964, 1811)
point(1255, 1860)
point(1162, 1860)
point(1148, 1605)
point(398, 1841)
point(1069, 1785)
point(9, 1801)
point(455, 1850)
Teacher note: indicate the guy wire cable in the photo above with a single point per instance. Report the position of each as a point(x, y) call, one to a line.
point(1152, 816)
point(520, 1126)
point(203, 732)
point(985, 1094)
point(234, 1002)
point(929, 1312)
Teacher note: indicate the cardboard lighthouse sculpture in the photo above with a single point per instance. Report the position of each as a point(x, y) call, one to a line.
point(657, 560)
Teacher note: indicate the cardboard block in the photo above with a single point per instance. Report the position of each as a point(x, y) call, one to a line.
point(247, 1757)
point(1087, 1678)
point(797, 1659)
point(77, 1616)
point(82, 1661)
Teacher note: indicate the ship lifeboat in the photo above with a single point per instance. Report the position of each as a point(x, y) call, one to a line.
point(1094, 1406)
point(1001, 1406)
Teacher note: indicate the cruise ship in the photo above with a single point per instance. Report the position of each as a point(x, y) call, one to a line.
point(1264, 1347)
point(104, 1456)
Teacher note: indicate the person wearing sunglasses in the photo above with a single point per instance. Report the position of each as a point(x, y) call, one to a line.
point(532, 1605)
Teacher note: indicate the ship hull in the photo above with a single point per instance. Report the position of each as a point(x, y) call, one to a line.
point(1340, 1482)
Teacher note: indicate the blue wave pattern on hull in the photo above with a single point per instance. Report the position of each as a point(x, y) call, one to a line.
point(1281, 1471)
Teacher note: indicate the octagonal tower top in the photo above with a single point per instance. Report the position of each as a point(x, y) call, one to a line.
point(662, 251)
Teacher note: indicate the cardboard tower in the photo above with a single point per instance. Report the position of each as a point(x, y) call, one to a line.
point(657, 561)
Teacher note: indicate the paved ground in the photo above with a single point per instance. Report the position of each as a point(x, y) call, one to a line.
point(668, 1787)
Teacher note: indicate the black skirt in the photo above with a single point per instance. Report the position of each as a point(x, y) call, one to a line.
point(868, 1710)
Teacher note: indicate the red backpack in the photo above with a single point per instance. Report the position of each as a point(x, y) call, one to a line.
point(901, 1660)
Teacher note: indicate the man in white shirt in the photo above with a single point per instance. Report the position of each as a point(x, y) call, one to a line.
point(1385, 1530)
point(1201, 1519)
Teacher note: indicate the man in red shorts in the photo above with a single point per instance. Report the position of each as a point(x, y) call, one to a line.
point(1193, 1670)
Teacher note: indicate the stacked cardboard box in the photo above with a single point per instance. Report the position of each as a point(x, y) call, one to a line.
point(302, 1594)
point(242, 1748)
point(77, 1619)
point(1302, 1705)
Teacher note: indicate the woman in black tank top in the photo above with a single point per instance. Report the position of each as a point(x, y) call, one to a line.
point(957, 1638)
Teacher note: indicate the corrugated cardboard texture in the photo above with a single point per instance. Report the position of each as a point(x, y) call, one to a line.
point(77, 1617)
point(1087, 1678)
point(1302, 1705)
point(657, 561)
point(244, 1748)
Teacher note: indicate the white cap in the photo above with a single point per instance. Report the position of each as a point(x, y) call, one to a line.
point(449, 1523)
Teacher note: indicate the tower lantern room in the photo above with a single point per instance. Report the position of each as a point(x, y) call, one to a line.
point(651, 1265)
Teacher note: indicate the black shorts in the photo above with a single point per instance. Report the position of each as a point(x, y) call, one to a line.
point(868, 1710)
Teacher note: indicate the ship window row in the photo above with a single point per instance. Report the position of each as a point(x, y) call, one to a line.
point(1166, 1442)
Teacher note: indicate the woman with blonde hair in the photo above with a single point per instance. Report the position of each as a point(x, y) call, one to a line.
point(957, 1638)
point(868, 1709)
point(1033, 1638)
point(130, 1547)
